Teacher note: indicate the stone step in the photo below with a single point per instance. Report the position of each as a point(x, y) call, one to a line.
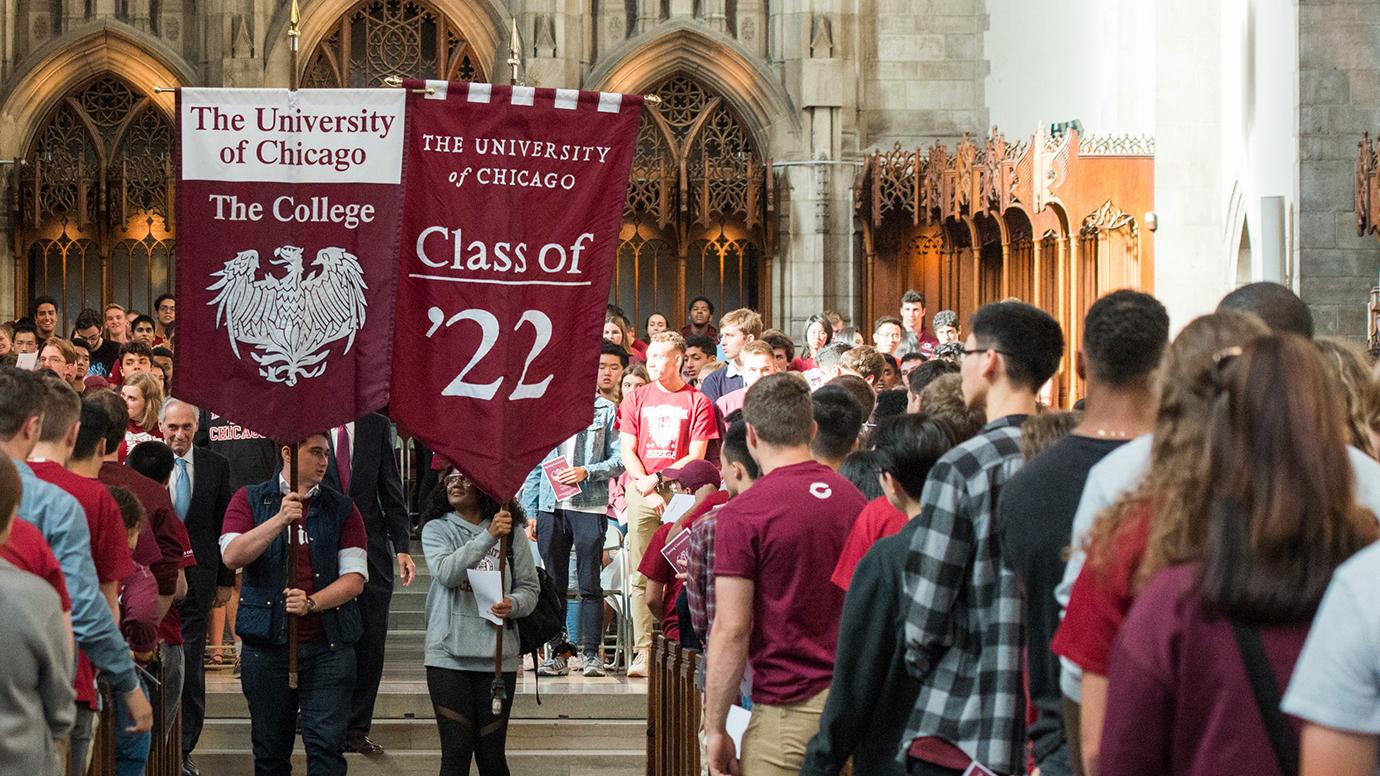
point(411, 701)
point(405, 619)
point(552, 762)
point(402, 735)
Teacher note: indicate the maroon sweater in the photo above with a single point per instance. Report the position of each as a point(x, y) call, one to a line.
point(1179, 701)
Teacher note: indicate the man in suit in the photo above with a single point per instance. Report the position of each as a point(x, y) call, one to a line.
point(200, 491)
point(362, 466)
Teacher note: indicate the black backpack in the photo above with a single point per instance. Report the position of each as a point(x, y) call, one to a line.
point(544, 623)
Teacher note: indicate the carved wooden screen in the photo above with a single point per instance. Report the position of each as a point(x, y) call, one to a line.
point(95, 194)
point(694, 222)
point(381, 38)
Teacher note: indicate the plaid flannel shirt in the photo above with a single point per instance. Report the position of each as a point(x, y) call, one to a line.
point(699, 572)
point(964, 628)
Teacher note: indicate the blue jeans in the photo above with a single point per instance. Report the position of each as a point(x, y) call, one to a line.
point(325, 682)
point(131, 749)
point(1057, 763)
point(557, 532)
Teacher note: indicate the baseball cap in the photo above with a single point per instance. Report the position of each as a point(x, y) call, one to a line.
point(694, 475)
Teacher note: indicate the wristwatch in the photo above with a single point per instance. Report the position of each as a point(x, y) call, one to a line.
point(311, 604)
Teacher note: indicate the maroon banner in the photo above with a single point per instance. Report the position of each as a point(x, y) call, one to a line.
point(510, 230)
point(288, 206)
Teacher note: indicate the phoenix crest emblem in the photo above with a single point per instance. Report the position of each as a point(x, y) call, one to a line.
point(289, 320)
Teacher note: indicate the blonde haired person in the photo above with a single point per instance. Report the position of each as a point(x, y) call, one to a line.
point(143, 394)
point(1359, 392)
point(736, 329)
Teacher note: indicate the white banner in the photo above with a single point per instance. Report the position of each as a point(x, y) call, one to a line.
point(280, 136)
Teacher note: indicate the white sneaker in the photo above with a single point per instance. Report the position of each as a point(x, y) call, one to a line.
point(553, 666)
point(590, 666)
point(638, 667)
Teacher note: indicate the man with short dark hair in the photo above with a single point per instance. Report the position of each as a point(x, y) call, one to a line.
point(916, 338)
point(964, 626)
point(922, 376)
point(82, 365)
point(701, 315)
point(589, 460)
point(699, 350)
point(61, 520)
point(142, 330)
point(838, 420)
point(908, 364)
point(887, 334)
point(1124, 336)
point(774, 604)
point(891, 374)
point(946, 327)
point(135, 356)
point(363, 468)
point(163, 359)
point(1279, 307)
point(165, 313)
point(45, 317)
point(105, 354)
point(331, 569)
point(613, 360)
point(25, 337)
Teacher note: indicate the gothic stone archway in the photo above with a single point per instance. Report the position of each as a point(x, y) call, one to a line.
point(698, 207)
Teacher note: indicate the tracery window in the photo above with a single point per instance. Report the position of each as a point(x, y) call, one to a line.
point(381, 38)
point(95, 200)
point(697, 208)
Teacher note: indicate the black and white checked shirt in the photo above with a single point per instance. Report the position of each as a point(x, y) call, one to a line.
point(964, 620)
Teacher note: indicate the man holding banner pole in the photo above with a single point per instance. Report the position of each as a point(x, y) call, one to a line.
point(331, 570)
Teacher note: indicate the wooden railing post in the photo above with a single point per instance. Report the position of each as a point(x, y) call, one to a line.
point(103, 737)
point(654, 720)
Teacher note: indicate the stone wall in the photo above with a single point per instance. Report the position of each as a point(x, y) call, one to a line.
point(1339, 96)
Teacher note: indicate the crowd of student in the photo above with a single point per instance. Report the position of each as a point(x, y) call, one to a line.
point(896, 555)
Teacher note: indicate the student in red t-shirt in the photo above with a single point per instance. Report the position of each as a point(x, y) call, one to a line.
point(662, 425)
point(775, 605)
point(702, 480)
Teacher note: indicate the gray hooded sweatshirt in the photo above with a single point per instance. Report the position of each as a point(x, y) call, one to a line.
point(457, 635)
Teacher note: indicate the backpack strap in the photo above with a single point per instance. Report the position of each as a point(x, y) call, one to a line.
point(1267, 698)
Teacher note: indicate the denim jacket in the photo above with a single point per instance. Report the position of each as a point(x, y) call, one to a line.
point(596, 448)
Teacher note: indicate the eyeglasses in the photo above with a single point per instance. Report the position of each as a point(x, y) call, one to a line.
point(974, 351)
point(453, 480)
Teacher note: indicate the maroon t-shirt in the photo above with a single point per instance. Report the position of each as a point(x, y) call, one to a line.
point(171, 534)
point(786, 533)
point(109, 547)
point(1178, 697)
point(239, 519)
point(28, 550)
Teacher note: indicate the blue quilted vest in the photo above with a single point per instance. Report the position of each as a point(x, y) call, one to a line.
point(262, 618)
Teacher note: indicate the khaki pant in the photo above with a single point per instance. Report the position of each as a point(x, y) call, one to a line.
point(642, 523)
point(776, 737)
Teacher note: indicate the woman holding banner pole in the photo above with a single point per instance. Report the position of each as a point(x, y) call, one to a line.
point(463, 536)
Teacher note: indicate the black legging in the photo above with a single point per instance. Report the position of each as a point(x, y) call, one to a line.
point(464, 716)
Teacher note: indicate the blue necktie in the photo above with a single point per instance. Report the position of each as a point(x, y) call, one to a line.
point(182, 498)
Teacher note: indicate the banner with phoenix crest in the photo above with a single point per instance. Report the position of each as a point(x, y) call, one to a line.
point(289, 206)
